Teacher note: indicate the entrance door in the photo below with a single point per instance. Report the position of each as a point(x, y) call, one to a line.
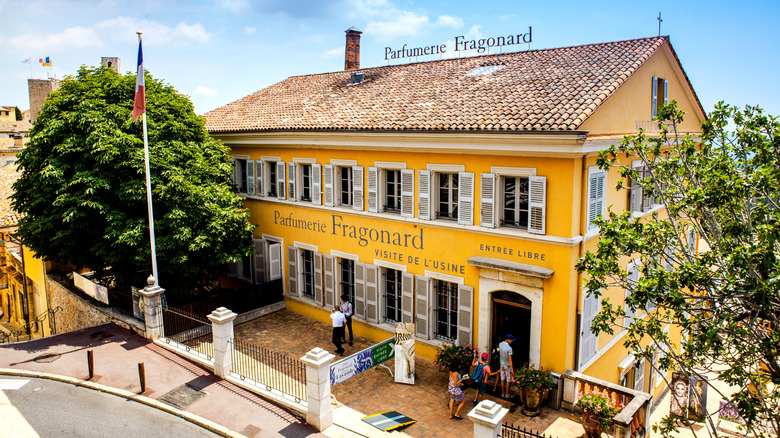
point(512, 314)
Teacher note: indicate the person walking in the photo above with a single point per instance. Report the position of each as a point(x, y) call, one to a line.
point(506, 368)
point(480, 376)
point(339, 320)
point(346, 309)
point(455, 392)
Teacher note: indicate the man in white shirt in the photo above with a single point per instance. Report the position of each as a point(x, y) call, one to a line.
point(346, 309)
point(339, 320)
point(505, 360)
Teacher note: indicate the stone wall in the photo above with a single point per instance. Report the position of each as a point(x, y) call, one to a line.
point(81, 311)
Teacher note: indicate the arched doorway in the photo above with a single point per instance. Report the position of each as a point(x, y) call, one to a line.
point(512, 314)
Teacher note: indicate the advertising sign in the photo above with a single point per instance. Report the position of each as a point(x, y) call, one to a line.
point(404, 347)
point(361, 361)
point(94, 290)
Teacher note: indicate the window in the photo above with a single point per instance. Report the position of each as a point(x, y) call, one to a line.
point(515, 205)
point(640, 199)
point(307, 273)
point(660, 94)
point(588, 340)
point(240, 174)
point(347, 279)
point(271, 178)
point(345, 185)
point(596, 181)
point(392, 191)
point(392, 289)
point(448, 196)
point(446, 294)
point(305, 170)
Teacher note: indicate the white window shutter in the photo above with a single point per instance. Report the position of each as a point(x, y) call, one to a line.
point(537, 204)
point(654, 108)
point(316, 184)
point(330, 281)
point(422, 312)
point(260, 166)
point(258, 261)
point(636, 203)
point(250, 177)
point(595, 198)
point(466, 198)
point(373, 192)
point(632, 280)
point(407, 193)
point(327, 177)
point(487, 211)
point(588, 340)
point(407, 297)
point(691, 238)
point(274, 261)
point(666, 92)
point(291, 194)
point(357, 188)
point(465, 311)
point(233, 178)
point(359, 306)
point(281, 182)
point(292, 270)
point(372, 294)
point(424, 197)
point(318, 278)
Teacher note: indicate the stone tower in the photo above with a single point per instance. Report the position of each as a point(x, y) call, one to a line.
point(111, 62)
point(39, 89)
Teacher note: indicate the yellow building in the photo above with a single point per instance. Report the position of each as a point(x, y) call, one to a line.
point(456, 194)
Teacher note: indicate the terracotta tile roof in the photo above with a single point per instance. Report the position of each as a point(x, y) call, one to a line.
point(539, 90)
point(10, 126)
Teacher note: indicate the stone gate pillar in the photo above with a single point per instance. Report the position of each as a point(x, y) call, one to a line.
point(152, 296)
point(320, 413)
point(222, 332)
point(488, 417)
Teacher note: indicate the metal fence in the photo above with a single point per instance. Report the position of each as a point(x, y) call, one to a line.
point(510, 430)
point(272, 370)
point(35, 325)
point(239, 301)
point(188, 332)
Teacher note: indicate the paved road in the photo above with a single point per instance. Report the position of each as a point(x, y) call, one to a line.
point(57, 409)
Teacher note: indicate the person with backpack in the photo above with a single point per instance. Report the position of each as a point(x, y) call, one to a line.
point(480, 376)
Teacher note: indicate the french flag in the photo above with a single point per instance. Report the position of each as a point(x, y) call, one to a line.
point(139, 103)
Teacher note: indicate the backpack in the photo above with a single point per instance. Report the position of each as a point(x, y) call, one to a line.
point(478, 374)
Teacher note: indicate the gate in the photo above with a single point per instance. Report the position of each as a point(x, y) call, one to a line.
point(267, 368)
point(186, 332)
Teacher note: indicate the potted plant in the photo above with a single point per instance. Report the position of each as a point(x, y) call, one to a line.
point(534, 384)
point(447, 354)
point(598, 411)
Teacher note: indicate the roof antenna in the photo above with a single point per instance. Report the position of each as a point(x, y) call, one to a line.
point(659, 23)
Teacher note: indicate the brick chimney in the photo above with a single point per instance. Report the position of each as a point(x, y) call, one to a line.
point(18, 139)
point(352, 53)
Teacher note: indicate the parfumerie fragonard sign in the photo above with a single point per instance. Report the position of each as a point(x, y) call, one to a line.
point(461, 44)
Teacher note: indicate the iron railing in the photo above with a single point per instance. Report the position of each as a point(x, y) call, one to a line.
point(510, 430)
point(186, 331)
point(269, 369)
point(239, 301)
point(34, 325)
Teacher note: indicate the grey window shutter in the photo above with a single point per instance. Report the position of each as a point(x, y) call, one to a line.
point(275, 261)
point(654, 108)
point(487, 211)
point(233, 176)
point(690, 239)
point(636, 191)
point(318, 278)
point(466, 198)
point(373, 190)
point(327, 177)
point(330, 281)
point(407, 297)
point(422, 312)
point(424, 202)
point(407, 193)
point(647, 201)
point(357, 188)
point(292, 270)
point(465, 310)
point(281, 182)
point(258, 261)
point(632, 279)
point(588, 339)
point(291, 195)
point(537, 204)
point(359, 306)
point(316, 184)
point(666, 92)
point(260, 165)
point(250, 177)
point(596, 197)
point(232, 269)
point(372, 295)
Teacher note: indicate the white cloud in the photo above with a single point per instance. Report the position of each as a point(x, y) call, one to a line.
point(249, 30)
point(235, 6)
point(205, 91)
point(449, 21)
point(78, 37)
point(332, 53)
point(403, 25)
point(154, 32)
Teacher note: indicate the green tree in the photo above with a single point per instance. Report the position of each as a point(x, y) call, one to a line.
point(720, 191)
point(82, 187)
point(18, 113)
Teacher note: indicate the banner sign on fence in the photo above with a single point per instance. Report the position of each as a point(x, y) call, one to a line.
point(361, 361)
point(94, 290)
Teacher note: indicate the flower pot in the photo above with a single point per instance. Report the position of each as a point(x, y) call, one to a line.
point(592, 424)
point(532, 401)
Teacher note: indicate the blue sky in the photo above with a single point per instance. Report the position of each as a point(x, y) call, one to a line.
point(221, 50)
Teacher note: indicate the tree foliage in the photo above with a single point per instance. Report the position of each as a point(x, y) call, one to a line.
point(721, 285)
point(82, 187)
